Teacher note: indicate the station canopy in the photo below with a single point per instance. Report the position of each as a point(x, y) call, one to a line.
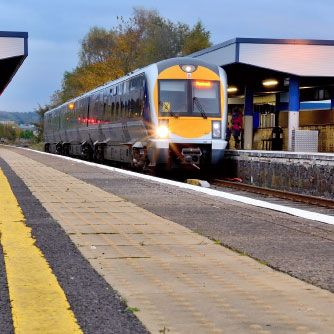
point(253, 60)
point(13, 51)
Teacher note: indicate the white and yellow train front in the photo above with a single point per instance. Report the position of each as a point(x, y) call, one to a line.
point(188, 113)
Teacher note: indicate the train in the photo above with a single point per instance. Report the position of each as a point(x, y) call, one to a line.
point(168, 115)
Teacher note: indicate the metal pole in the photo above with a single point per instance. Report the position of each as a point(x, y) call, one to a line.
point(294, 105)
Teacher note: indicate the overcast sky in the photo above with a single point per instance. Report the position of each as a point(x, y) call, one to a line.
point(56, 27)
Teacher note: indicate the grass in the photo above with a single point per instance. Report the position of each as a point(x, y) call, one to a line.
point(241, 253)
point(37, 146)
point(262, 262)
point(132, 309)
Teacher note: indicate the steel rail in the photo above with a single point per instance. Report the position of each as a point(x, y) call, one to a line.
point(319, 201)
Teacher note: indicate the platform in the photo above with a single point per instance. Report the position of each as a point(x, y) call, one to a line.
point(148, 242)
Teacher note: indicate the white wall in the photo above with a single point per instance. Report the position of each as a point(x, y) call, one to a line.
point(11, 47)
point(305, 60)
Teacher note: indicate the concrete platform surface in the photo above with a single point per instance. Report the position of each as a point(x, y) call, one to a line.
point(175, 280)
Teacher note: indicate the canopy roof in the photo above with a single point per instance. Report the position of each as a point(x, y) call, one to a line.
point(301, 57)
point(13, 51)
point(250, 61)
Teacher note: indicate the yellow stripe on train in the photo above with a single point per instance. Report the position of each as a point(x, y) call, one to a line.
point(189, 127)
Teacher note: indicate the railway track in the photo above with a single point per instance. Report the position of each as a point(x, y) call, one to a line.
point(313, 200)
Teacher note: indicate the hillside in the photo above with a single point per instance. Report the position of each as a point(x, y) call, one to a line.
point(19, 117)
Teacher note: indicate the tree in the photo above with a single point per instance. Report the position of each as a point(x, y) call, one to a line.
point(41, 110)
point(197, 39)
point(128, 39)
point(162, 39)
point(97, 46)
point(9, 131)
point(85, 78)
point(144, 38)
point(150, 38)
point(26, 134)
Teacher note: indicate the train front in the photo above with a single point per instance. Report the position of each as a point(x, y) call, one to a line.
point(190, 107)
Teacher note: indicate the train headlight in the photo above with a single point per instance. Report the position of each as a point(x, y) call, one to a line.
point(188, 68)
point(162, 131)
point(216, 129)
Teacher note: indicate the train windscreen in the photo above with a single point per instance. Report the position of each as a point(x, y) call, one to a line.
point(205, 95)
point(173, 97)
point(189, 98)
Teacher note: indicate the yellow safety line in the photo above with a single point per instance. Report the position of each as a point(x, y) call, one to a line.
point(38, 303)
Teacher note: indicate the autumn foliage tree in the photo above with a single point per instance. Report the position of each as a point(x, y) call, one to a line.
point(97, 46)
point(144, 38)
point(197, 39)
point(41, 110)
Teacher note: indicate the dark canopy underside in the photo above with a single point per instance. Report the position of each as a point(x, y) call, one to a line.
point(8, 68)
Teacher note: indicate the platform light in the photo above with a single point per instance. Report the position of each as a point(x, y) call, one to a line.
point(188, 68)
point(232, 89)
point(203, 84)
point(271, 92)
point(269, 82)
point(70, 106)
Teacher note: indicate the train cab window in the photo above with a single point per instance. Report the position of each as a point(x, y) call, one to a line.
point(189, 98)
point(173, 97)
point(205, 95)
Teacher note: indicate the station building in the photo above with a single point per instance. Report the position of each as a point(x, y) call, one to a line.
point(285, 88)
point(13, 51)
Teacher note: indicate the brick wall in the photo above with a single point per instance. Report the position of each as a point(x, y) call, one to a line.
point(311, 174)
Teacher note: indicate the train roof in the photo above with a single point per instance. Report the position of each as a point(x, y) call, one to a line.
point(185, 61)
point(163, 64)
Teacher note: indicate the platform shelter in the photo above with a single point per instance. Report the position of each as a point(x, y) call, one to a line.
point(286, 83)
point(13, 51)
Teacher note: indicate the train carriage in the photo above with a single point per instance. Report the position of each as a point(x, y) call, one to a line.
point(171, 114)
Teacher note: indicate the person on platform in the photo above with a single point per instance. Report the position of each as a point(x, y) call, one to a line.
point(236, 126)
